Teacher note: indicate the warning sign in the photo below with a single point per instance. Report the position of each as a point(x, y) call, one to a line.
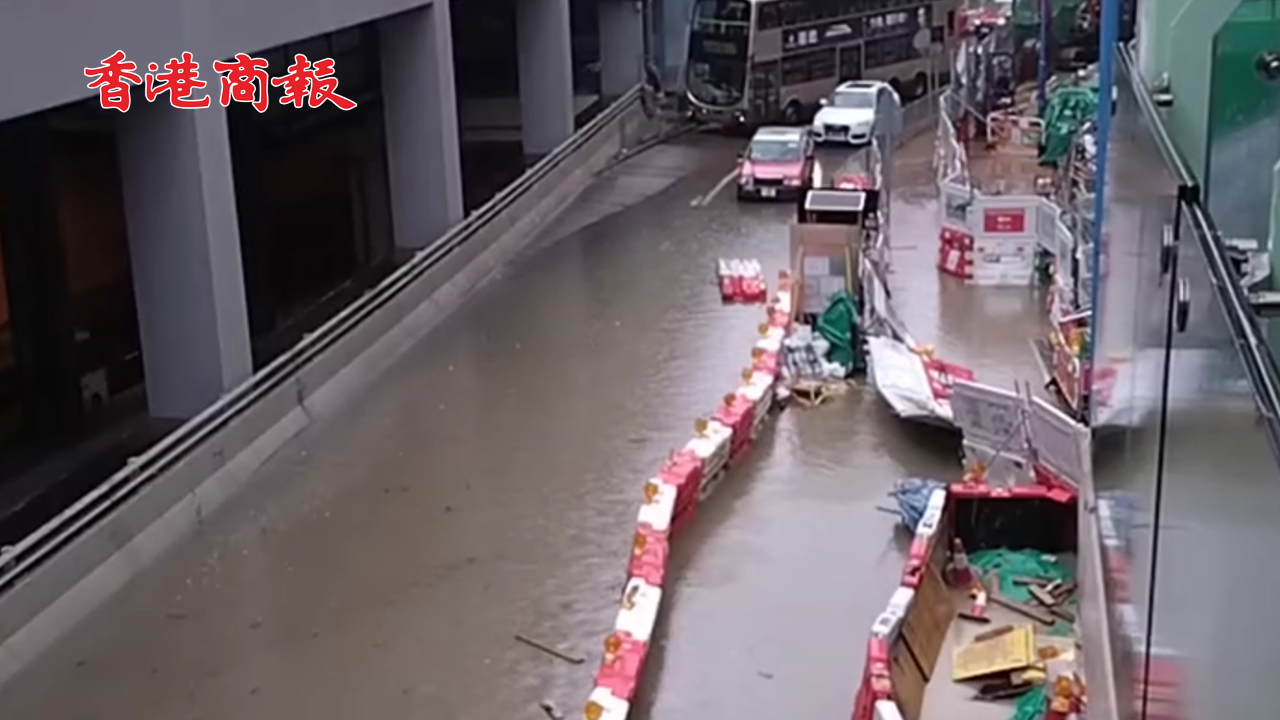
point(1004, 220)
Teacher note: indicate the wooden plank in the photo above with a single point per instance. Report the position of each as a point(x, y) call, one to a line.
point(925, 626)
point(909, 681)
point(1013, 650)
point(1042, 596)
point(1024, 610)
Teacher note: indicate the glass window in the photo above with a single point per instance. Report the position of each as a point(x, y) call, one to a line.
point(805, 67)
point(856, 99)
point(795, 70)
point(775, 150)
point(851, 62)
point(822, 64)
point(767, 16)
point(887, 51)
point(723, 10)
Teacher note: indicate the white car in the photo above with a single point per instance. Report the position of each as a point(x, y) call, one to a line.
point(851, 114)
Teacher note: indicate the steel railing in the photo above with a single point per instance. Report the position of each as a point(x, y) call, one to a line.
point(18, 560)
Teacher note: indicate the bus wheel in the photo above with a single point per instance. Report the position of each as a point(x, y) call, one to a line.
point(791, 114)
point(919, 85)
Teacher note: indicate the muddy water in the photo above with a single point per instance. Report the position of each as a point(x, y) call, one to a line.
point(486, 486)
point(789, 566)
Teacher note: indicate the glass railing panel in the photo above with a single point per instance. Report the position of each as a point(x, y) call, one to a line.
point(1131, 341)
point(1219, 519)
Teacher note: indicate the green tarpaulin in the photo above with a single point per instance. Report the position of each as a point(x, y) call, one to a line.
point(1068, 109)
point(1011, 564)
point(839, 326)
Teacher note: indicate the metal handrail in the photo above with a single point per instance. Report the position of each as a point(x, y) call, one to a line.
point(1259, 364)
point(22, 557)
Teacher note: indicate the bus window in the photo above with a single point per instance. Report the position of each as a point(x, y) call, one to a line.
point(887, 51)
point(797, 12)
point(723, 10)
point(810, 66)
point(767, 16)
point(851, 62)
point(764, 89)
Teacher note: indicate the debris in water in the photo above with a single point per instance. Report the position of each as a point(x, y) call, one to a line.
point(551, 710)
point(176, 615)
point(549, 650)
point(765, 675)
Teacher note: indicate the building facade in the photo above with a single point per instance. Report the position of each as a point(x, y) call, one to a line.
point(153, 258)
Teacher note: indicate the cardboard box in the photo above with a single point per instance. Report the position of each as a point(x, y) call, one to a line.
point(825, 261)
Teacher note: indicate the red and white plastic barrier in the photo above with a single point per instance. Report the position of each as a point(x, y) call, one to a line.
point(741, 281)
point(1165, 686)
point(1018, 130)
point(955, 253)
point(671, 498)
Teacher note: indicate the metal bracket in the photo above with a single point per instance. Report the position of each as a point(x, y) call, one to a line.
point(1182, 307)
point(1168, 248)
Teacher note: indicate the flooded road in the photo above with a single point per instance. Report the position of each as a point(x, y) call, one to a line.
point(487, 484)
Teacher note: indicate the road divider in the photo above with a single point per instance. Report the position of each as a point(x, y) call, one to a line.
point(671, 498)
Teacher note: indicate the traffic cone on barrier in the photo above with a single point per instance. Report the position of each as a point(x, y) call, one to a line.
point(978, 608)
point(975, 474)
point(961, 574)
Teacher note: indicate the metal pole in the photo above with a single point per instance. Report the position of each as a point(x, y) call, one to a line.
point(1108, 38)
point(1046, 42)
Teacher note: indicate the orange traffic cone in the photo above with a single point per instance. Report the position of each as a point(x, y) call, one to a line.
point(961, 573)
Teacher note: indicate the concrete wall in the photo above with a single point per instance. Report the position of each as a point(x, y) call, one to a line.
point(52, 43)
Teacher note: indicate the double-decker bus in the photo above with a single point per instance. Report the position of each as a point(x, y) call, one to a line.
point(754, 61)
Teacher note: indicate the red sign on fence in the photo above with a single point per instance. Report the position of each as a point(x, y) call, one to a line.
point(1004, 220)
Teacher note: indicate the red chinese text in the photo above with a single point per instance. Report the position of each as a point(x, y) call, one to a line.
point(180, 78)
point(313, 83)
point(112, 81)
point(244, 80)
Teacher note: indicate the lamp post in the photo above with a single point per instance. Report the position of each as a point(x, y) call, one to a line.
point(1108, 38)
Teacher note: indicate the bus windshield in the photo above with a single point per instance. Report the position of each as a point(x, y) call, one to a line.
point(774, 151)
point(738, 11)
point(717, 69)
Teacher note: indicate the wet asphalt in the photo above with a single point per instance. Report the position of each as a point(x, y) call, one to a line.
point(486, 485)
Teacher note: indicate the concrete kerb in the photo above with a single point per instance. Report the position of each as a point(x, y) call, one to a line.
point(65, 589)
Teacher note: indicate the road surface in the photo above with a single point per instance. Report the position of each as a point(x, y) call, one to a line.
point(487, 485)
